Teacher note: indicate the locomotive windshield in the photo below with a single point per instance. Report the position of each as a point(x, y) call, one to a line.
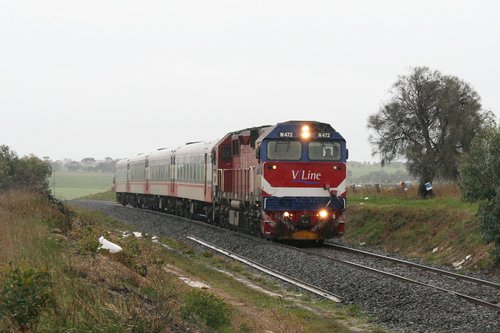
point(289, 150)
point(284, 150)
point(324, 151)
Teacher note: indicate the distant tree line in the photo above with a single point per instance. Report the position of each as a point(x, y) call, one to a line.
point(361, 164)
point(88, 164)
point(28, 173)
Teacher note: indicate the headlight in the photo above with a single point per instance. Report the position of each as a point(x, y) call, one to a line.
point(286, 214)
point(323, 213)
point(306, 134)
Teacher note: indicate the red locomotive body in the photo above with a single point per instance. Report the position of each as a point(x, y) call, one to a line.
point(286, 181)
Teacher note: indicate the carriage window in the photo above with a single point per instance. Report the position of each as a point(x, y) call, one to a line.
point(324, 151)
point(284, 150)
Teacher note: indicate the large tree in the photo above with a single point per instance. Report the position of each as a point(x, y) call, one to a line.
point(429, 120)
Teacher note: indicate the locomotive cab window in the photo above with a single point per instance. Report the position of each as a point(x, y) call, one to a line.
point(236, 148)
point(284, 150)
point(324, 151)
point(226, 153)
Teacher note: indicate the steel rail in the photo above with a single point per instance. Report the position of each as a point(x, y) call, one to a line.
point(399, 277)
point(272, 272)
point(419, 266)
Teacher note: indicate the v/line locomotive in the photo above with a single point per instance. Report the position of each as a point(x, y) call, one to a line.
point(286, 181)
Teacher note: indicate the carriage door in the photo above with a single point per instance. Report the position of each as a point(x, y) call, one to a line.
point(171, 190)
point(127, 184)
point(205, 176)
point(146, 176)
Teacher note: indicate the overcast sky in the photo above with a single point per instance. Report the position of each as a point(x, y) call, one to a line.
point(114, 78)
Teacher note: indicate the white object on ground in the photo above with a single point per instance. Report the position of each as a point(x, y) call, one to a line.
point(107, 245)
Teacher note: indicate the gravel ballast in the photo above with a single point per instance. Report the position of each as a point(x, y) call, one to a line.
point(398, 305)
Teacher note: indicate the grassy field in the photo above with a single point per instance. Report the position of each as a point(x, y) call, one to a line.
point(362, 169)
point(70, 185)
point(67, 185)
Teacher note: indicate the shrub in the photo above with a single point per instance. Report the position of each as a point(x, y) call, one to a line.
point(207, 307)
point(28, 173)
point(24, 295)
point(480, 182)
point(89, 244)
point(133, 256)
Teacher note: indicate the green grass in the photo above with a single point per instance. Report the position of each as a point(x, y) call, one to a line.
point(443, 230)
point(447, 205)
point(386, 201)
point(71, 185)
point(102, 196)
point(89, 292)
point(290, 315)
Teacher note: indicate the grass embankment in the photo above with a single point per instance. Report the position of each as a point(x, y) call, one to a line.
point(54, 279)
point(70, 185)
point(442, 230)
point(101, 196)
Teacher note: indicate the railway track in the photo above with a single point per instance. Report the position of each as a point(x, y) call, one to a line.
point(325, 294)
point(269, 271)
point(395, 302)
point(370, 268)
point(438, 271)
point(320, 252)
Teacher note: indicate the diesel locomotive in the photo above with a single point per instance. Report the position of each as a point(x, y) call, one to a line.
point(286, 181)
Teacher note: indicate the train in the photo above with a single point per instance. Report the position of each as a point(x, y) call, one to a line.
point(280, 182)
